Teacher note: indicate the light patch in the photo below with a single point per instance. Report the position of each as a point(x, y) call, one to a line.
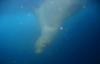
point(61, 28)
point(60, 9)
point(84, 6)
point(21, 6)
point(52, 2)
point(20, 22)
point(29, 14)
point(51, 15)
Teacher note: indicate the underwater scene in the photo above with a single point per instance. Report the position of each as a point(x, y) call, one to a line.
point(49, 32)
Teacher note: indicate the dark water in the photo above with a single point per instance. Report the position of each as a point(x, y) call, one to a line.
point(19, 29)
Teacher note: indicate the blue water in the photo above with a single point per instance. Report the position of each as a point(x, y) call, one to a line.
point(19, 29)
